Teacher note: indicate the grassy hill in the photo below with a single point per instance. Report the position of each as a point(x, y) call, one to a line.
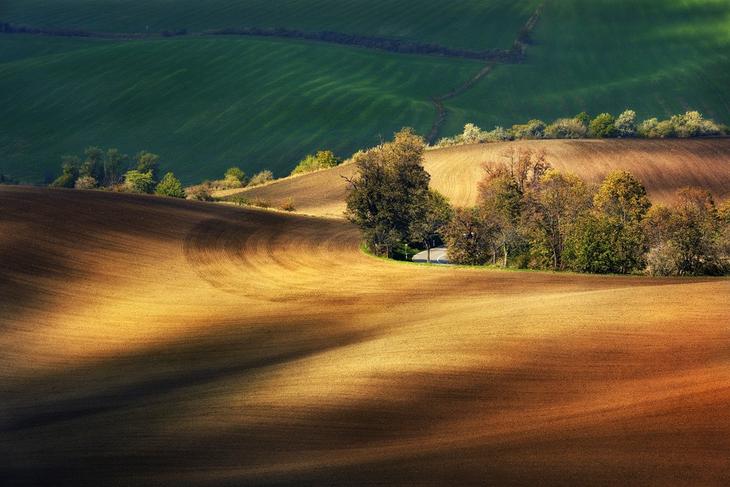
point(663, 166)
point(658, 57)
point(206, 103)
point(475, 24)
point(156, 342)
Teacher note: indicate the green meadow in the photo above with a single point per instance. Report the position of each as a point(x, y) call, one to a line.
point(658, 57)
point(475, 24)
point(205, 103)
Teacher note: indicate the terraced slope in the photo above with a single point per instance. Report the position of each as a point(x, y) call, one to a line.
point(153, 341)
point(473, 24)
point(663, 165)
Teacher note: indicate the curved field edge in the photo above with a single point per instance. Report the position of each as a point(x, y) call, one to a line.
point(151, 340)
point(664, 166)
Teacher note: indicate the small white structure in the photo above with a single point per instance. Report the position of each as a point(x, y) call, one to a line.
point(439, 255)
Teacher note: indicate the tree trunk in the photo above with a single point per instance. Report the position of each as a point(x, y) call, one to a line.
point(428, 253)
point(504, 249)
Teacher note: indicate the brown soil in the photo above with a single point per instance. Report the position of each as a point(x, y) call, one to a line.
point(663, 165)
point(150, 341)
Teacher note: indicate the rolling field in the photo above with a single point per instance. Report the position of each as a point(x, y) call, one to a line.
point(657, 57)
point(474, 24)
point(664, 167)
point(148, 341)
point(205, 104)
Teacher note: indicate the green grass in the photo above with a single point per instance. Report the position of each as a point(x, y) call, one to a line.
point(475, 24)
point(208, 103)
point(658, 57)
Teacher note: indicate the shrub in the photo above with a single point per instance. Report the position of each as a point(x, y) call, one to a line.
point(472, 134)
point(287, 205)
point(660, 261)
point(499, 134)
point(200, 192)
point(583, 118)
point(261, 178)
point(534, 129)
point(85, 182)
point(148, 162)
point(69, 172)
point(235, 175)
point(450, 141)
point(65, 180)
point(626, 124)
point(603, 126)
point(170, 186)
point(260, 203)
point(566, 128)
point(239, 200)
point(314, 162)
point(139, 182)
point(692, 124)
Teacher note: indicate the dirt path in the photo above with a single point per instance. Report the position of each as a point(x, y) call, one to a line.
point(518, 51)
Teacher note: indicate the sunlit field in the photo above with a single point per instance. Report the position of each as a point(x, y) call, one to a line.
point(150, 341)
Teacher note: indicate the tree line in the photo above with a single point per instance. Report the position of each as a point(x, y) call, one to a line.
point(604, 125)
point(113, 170)
point(531, 216)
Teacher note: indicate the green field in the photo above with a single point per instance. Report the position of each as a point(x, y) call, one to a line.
point(475, 24)
point(658, 57)
point(208, 102)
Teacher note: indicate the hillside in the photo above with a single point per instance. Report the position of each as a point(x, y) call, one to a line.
point(476, 24)
point(205, 103)
point(198, 101)
point(153, 341)
point(662, 165)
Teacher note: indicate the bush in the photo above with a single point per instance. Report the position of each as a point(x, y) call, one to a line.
point(660, 261)
point(239, 200)
point(235, 177)
point(566, 128)
point(69, 172)
point(148, 162)
point(65, 180)
point(200, 192)
point(626, 124)
point(260, 203)
point(692, 124)
point(170, 186)
point(654, 129)
point(288, 205)
point(85, 182)
point(472, 134)
point(603, 126)
point(314, 162)
point(534, 129)
point(499, 134)
point(261, 178)
point(139, 182)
